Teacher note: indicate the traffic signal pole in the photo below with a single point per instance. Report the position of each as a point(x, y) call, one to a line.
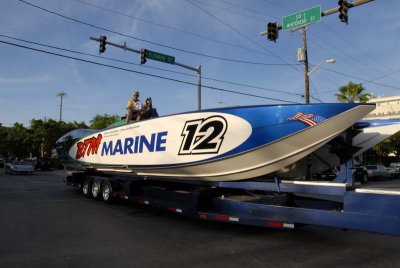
point(143, 53)
point(336, 9)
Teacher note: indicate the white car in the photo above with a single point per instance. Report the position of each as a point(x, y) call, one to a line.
point(395, 170)
point(378, 172)
point(19, 167)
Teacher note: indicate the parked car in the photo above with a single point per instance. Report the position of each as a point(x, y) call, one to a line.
point(42, 163)
point(2, 161)
point(378, 172)
point(19, 167)
point(395, 170)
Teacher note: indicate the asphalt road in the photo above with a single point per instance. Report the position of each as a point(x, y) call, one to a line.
point(46, 224)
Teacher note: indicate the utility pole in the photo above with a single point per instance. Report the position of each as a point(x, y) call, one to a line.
point(61, 95)
point(306, 76)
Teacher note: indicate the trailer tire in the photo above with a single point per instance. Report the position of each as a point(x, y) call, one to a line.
point(96, 188)
point(107, 192)
point(86, 187)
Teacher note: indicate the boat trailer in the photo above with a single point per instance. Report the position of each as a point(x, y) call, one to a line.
point(277, 204)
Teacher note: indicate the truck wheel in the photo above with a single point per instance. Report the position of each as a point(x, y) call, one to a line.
point(96, 188)
point(86, 188)
point(106, 192)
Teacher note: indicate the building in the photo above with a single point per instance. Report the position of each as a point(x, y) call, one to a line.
point(386, 108)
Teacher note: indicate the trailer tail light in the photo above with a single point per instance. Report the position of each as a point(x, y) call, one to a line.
point(123, 196)
point(177, 210)
point(226, 218)
point(276, 224)
point(203, 216)
point(143, 202)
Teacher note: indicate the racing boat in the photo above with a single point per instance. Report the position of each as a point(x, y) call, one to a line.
point(366, 134)
point(225, 144)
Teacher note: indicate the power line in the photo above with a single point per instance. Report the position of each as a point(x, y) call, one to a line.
point(248, 9)
point(240, 33)
point(230, 11)
point(278, 5)
point(169, 27)
point(359, 78)
point(357, 47)
point(151, 42)
point(146, 74)
point(144, 66)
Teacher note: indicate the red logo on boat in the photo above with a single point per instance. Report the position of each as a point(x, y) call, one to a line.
point(88, 146)
point(308, 119)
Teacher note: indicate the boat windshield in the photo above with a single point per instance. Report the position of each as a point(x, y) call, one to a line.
point(74, 134)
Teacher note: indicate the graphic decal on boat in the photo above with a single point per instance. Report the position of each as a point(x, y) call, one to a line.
point(203, 136)
point(134, 145)
point(308, 119)
point(88, 146)
point(180, 139)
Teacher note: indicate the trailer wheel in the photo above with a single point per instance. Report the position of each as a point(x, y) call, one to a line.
point(107, 192)
point(86, 188)
point(96, 188)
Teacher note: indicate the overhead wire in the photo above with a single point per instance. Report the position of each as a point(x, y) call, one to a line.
point(145, 66)
point(359, 48)
point(151, 42)
point(230, 11)
point(248, 9)
point(169, 27)
point(359, 78)
point(146, 74)
point(240, 33)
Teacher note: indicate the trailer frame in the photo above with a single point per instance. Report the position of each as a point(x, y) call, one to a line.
point(274, 204)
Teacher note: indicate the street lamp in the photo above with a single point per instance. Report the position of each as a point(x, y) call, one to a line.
point(308, 77)
point(331, 61)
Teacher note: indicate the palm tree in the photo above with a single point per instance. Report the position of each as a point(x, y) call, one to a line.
point(353, 93)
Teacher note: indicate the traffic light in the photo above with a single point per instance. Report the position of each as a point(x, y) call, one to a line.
point(143, 54)
point(102, 46)
point(273, 31)
point(343, 8)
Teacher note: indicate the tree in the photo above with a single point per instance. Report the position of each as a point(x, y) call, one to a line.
point(102, 121)
point(353, 93)
point(19, 141)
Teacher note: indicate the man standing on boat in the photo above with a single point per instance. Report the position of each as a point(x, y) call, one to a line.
point(134, 108)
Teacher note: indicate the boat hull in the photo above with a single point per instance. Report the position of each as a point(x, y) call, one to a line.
point(370, 133)
point(215, 145)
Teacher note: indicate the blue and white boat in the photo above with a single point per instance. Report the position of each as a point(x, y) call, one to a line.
point(224, 144)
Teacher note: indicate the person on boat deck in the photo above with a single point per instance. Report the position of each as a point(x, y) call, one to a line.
point(134, 108)
point(148, 110)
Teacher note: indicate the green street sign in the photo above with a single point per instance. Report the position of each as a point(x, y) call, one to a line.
point(301, 18)
point(160, 57)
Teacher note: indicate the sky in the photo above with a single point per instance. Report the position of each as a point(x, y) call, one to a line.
point(223, 36)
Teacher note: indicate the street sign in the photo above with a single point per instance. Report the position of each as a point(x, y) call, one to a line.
point(160, 57)
point(301, 18)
